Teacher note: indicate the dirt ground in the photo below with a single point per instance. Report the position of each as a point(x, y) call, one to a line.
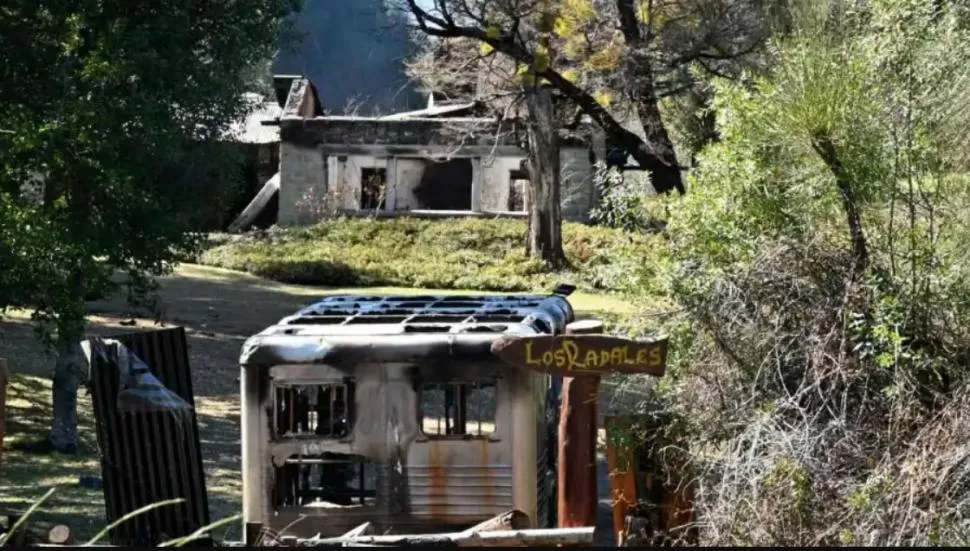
point(219, 310)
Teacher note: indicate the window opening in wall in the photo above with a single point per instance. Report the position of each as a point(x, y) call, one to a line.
point(313, 410)
point(457, 409)
point(446, 185)
point(373, 184)
point(327, 479)
point(518, 190)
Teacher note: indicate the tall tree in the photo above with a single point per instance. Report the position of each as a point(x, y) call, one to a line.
point(516, 92)
point(102, 99)
point(612, 59)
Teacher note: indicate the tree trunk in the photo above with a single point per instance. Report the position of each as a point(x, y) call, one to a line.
point(663, 166)
point(823, 145)
point(656, 152)
point(545, 211)
point(70, 357)
point(67, 376)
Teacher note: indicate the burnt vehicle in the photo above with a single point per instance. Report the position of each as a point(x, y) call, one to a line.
point(393, 410)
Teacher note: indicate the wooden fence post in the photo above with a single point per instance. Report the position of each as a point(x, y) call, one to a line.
point(623, 471)
point(578, 492)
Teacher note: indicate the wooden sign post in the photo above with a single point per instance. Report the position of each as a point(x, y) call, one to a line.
point(581, 356)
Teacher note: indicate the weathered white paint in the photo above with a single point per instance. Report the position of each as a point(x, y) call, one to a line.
point(303, 185)
point(407, 178)
point(346, 190)
point(497, 179)
point(477, 180)
point(338, 179)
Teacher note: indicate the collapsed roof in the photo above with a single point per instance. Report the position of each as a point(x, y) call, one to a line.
point(347, 329)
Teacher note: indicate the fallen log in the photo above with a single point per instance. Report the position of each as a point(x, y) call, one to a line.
point(501, 538)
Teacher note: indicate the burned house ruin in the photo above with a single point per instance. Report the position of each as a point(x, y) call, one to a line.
point(449, 159)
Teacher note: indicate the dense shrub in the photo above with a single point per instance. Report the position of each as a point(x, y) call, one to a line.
point(816, 288)
point(442, 254)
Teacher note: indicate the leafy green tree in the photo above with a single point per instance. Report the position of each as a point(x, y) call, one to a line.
point(612, 60)
point(102, 98)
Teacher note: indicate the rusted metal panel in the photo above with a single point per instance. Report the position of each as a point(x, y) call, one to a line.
point(150, 457)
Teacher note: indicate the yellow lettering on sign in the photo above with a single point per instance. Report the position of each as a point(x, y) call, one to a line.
point(529, 360)
point(571, 351)
point(567, 355)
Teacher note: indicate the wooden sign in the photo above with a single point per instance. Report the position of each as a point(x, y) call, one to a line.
point(572, 355)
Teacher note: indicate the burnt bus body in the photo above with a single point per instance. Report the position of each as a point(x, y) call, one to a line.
point(392, 410)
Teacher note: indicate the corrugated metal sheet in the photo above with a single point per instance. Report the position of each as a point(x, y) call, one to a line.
point(150, 457)
point(474, 491)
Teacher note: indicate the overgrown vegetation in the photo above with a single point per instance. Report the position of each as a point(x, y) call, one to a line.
point(441, 254)
point(816, 286)
point(621, 201)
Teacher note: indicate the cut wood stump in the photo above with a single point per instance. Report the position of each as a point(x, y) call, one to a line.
point(60, 535)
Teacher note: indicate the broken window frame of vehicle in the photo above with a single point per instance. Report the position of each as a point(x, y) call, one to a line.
point(455, 414)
